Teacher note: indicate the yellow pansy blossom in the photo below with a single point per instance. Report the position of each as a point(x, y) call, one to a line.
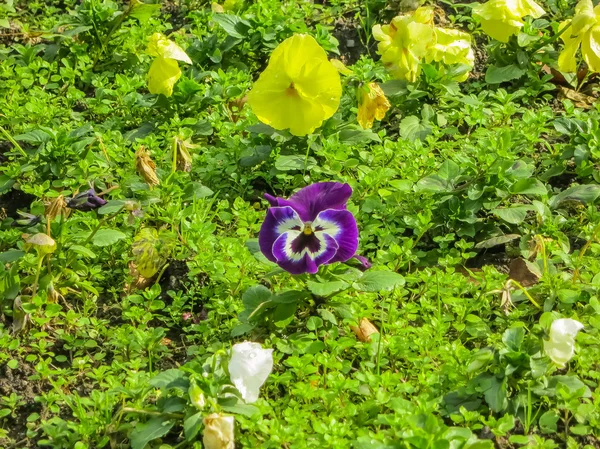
point(453, 47)
point(405, 42)
point(373, 105)
point(299, 89)
point(501, 19)
point(584, 33)
point(164, 71)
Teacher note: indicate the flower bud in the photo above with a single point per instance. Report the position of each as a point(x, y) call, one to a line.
point(26, 220)
point(218, 432)
point(197, 396)
point(146, 167)
point(249, 367)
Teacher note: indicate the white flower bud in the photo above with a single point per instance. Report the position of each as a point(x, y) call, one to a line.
point(197, 396)
point(249, 367)
point(561, 345)
point(218, 432)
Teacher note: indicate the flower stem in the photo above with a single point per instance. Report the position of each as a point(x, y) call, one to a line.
point(37, 276)
point(13, 141)
point(526, 293)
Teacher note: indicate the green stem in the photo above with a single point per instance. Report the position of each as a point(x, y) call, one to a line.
point(526, 293)
point(13, 141)
point(37, 277)
point(174, 149)
point(100, 223)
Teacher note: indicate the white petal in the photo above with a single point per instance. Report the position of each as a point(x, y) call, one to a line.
point(564, 327)
point(249, 367)
point(559, 352)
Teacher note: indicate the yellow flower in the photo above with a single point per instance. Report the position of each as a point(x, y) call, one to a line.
point(164, 71)
point(341, 67)
point(405, 42)
point(584, 33)
point(501, 19)
point(453, 47)
point(299, 89)
point(218, 432)
point(373, 105)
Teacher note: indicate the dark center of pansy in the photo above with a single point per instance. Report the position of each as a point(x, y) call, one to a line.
point(306, 241)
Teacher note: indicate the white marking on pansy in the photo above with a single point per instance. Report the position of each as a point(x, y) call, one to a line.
point(327, 226)
point(288, 224)
point(297, 257)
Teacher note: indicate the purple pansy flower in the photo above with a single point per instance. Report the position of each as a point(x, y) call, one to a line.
point(86, 201)
point(309, 229)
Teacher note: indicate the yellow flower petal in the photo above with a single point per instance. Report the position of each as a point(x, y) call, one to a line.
point(590, 48)
point(584, 19)
point(299, 89)
point(501, 19)
point(566, 59)
point(159, 45)
point(162, 76)
point(373, 105)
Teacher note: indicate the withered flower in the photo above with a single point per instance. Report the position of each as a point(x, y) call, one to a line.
point(146, 167)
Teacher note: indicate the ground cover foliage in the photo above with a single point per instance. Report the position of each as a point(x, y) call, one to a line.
point(475, 202)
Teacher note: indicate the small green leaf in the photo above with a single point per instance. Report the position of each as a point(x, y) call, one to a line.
point(373, 281)
point(10, 256)
point(326, 288)
point(497, 75)
point(530, 186)
point(584, 194)
point(192, 425)
point(294, 162)
point(151, 430)
point(233, 25)
point(107, 237)
point(513, 215)
point(412, 129)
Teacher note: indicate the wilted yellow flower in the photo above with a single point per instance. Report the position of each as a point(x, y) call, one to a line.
point(43, 243)
point(55, 207)
point(405, 42)
point(373, 105)
point(218, 432)
point(453, 47)
point(146, 167)
point(584, 33)
point(299, 89)
point(164, 71)
point(501, 19)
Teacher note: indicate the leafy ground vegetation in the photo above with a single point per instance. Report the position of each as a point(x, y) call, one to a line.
point(137, 142)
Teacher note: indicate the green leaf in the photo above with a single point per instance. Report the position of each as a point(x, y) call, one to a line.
point(548, 422)
point(233, 25)
point(195, 191)
point(143, 11)
point(151, 430)
point(192, 425)
point(326, 288)
point(513, 215)
point(495, 241)
point(82, 250)
point(513, 338)
point(35, 136)
point(412, 129)
point(584, 194)
point(373, 281)
point(10, 256)
point(171, 378)
point(111, 207)
point(356, 134)
point(530, 186)
point(295, 162)
point(107, 237)
point(497, 75)
point(494, 391)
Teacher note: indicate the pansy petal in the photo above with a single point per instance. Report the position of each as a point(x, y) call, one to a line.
point(341, 225)
point(278, 221)
point(311, 200)
point(298, 253)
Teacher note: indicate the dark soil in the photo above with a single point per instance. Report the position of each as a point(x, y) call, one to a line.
point(350, 45)
point(14, 200)
point(17, 381)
